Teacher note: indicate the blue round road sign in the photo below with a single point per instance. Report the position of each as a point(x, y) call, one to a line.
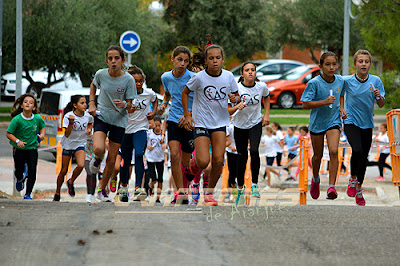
point(129, 41)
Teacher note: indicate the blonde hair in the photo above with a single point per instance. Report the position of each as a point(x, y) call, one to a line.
point(360, 52)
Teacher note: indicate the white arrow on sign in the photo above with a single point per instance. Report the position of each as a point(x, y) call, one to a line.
point(132, 42)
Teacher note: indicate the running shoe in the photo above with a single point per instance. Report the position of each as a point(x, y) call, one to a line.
point(290, 178)
point(331, 194)
point(180, 198)
point(123, 195)
point(267, 187)
point(255, 192)
point(314, 189)
point(195, 191)
point(231, 199)
point(71, 189)
point(140, 194)
point(94, 165)
point(57, 197)
point(351, 188)
point(240, 196)
point(19, 184)
point(113, 185)
point(158, 201)
point(359, 198)
point(209, 200)
point(103, 196)
point(28, 197)
point(88, 198)
point(380, 179)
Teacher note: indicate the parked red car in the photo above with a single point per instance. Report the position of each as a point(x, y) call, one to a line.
point(287, 90)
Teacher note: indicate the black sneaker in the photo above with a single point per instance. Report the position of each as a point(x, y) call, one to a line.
point(158, 201)
point(56, 197)
point(71, 189)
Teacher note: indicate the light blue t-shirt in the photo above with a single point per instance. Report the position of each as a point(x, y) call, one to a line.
point(175, 86)
point(121, 88)
point(290, 141)
point(324, 117)
point(359, 100)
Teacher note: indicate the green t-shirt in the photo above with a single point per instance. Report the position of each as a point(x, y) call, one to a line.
point(26, 129)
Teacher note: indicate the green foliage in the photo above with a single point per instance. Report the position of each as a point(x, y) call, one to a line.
point(391, 82)
point(380, 21)
point(240, 26)
point(310, 24)
point(73, 35)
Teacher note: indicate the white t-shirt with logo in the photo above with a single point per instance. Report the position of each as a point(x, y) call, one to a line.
point(77, 138)
point(157, 154)
point(137, 120)
point(250, 116)
point(210, 102)
point(269, 144)
point(383, 138)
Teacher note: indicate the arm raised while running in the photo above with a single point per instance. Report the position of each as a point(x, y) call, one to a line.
point(316, 104)
point(189, 122)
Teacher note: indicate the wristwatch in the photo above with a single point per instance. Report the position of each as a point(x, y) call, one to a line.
point(17, 141)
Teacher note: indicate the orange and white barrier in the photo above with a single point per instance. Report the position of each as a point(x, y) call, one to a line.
point(393, 123)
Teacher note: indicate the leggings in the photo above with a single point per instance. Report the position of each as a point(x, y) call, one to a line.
point(241, 139)
point(90, 179)
point(232, 166)
point(381, 163)
point(360, 141)
point(138, 142)
point(278, 158)
point(153, 166)
point(30, 157)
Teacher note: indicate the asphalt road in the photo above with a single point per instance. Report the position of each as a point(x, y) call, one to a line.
point(47, 233)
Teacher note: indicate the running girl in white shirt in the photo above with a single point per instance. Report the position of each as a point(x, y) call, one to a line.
point(135, 137)
point(117, 90)
point(384, 152)
point(269, 141)
point(78, 125)
point(212, 88)
point(248, 123)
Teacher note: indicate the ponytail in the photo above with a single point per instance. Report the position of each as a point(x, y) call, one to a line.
point(70, 106)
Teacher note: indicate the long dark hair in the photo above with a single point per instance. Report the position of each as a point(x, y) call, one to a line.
point(70, 106)
point(17, 108)
point(277, 125)
point(241, 70)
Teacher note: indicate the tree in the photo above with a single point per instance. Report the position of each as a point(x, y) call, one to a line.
point(73, 35)
point(240, 26)
point(379, 22)
point(310, 24)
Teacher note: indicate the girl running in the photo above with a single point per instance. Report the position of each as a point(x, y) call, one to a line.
point(361, 91)
point(78, 125)
point(136, 134)
point(304, 134)
point(289, 140)
point(23, 135)
point(248, 124)
point(155, 157)
point(322, 97)
point(269, 141)
point(117, 90)
point(212, 88)
point(178, 138)
point(384, 152)
point(91, 179)
point(278, 146)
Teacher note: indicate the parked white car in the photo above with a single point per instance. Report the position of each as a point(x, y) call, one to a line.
point(269, 69)
point(8, 82)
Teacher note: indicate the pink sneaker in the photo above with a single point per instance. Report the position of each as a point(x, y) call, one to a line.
point(331, 193)
point(351, 188)
point(113, 185)
point(360, 199)
point(209, 200)
point(314, 189)
point(380, 179)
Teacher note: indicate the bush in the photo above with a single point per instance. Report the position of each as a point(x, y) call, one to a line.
point(391, 81)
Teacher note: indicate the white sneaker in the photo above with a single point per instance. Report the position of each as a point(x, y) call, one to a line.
point(140, 194)
point(94, 169)
point(89, 198)
point(103, 196)
point(231, 199)
point(93, 199)
point(267, 187)
point(123, 194)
